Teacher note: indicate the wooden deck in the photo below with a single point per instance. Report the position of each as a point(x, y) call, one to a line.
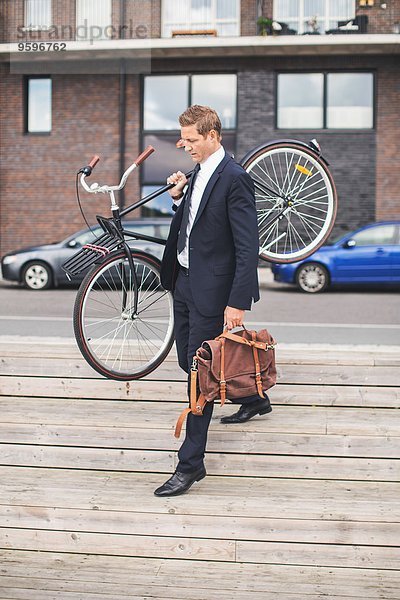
point(301, 503)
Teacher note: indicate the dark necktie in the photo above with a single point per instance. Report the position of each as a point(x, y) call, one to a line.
point(186, 210)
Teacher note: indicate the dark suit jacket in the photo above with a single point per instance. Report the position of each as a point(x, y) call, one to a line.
point(223, 243)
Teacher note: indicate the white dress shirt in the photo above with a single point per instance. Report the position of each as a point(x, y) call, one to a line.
point(207, 168)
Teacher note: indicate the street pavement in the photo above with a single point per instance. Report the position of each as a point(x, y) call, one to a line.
point(346, 316)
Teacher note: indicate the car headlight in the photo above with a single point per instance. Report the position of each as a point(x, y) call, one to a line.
point(7, 260)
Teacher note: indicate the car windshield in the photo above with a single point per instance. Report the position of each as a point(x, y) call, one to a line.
point(334, 240)
point(140, 228)
point(86, 237)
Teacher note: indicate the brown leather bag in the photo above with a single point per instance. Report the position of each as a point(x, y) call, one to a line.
point(233, 366)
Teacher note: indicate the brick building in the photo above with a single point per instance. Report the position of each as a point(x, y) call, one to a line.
point(131, 66)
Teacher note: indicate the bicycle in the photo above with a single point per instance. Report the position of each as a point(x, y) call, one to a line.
point(123, 317)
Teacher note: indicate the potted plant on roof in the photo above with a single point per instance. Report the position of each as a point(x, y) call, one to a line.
point(264, 25)
point(313, 25)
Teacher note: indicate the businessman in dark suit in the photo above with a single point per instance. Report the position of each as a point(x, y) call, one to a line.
point(210, 264)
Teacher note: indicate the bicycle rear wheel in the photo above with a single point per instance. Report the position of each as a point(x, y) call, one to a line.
point(295, 197)
point(115, 339)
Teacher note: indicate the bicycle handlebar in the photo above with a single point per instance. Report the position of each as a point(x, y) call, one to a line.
point(145, 154)
point(96, 188)
point(94, 161)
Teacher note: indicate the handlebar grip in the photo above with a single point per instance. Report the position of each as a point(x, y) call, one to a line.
point(145, 154)
point(94, 161)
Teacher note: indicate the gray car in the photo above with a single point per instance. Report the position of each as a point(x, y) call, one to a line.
point(39, 267)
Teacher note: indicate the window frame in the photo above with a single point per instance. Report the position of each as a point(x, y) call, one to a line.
point(301, 19)
point(214, 21)
point(160, 132)
point(25, 96)
point(29, 27)
point(78, 14)
point(325, 73)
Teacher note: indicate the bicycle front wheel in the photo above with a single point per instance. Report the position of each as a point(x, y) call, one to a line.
point(296, 200)
point(123, 322)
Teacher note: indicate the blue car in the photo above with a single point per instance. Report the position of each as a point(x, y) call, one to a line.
point(370, 255)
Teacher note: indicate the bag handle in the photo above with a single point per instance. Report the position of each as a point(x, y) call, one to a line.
point(241, 340)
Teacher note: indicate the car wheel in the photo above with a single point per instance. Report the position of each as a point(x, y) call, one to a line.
point(312, 278)
point(37, 276)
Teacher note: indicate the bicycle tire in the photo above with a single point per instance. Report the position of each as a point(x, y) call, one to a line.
point(289, 175)
point(116, 342)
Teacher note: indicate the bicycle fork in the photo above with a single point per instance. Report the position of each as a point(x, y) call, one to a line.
point(128, 312)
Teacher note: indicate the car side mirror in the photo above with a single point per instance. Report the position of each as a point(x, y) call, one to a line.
point(349, 243)
point(72, 244)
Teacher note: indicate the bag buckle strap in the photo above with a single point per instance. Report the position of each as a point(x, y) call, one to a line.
point(257, 366)
point(222, 390)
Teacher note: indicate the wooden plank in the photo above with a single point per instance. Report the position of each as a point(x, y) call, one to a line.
point(328, 555)
point(65, 589)
point(201, 549)
point(330, 395)
point(217, 464)
point(235, 578)
point(339, 354)
point(66, 387)
point(307, 467)
point(283, 419)
point(234, 496)
point(50, 590)
point(90, 388)
point(287, 374)
point(26, 594)
point(221, 438)
point(125, 545)
point(47, 348)
point(52, 367)
point(385, 361)
point(201, 526)
point(304, 395)
point(338, 375)
point(319, 374)
point(87, 458)
point(28, 365)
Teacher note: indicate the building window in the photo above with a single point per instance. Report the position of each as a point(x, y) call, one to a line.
point(37, 14)
point(165, 97)
point(325, 101)
point(310, 16)
point(93, 19)
point(199, 15)
point(349, 101)
point(300, 101)
point(38, 105)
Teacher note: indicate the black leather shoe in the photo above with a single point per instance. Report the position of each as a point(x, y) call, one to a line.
point(248, 411)
point(180, 482)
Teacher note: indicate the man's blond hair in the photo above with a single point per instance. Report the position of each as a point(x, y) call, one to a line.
point(203, 117)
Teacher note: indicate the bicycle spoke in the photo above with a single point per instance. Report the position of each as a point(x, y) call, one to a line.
point(266, 173)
